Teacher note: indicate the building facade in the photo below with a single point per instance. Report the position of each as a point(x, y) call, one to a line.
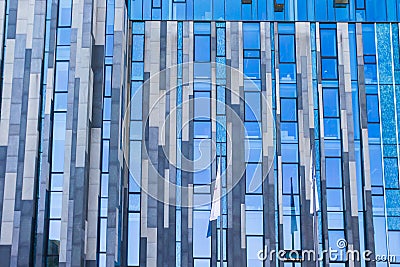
point(115, 114)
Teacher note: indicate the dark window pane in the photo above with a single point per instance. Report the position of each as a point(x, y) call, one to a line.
point(286, 48)
point(202, 48)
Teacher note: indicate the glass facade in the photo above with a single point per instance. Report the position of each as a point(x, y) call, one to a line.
point(115, 117)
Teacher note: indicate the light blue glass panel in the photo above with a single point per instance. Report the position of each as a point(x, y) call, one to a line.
point(221, 67)
point(375, 155)
point(394, 224)
point(384, 53)
point(220, 41)
point(134, 238)
point(219, 10)
point(254, 245)
point(251, 36)
point(221, 129)
point(137, 47)
point(136, 9)
point(387, 114)
point(201, 244)
point(393, 202)
point(137, 71)
point(391, 173)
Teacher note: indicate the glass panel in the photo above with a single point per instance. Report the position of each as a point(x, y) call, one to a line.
point(251, 68)
point(333, 172)
point(202, 48)
point(289, 132)
point(202, 129)
point(55, 204)
point(288, 109)
point(201, 244)
point(252, 110)
point(328, 43)
point(286, 48)
point(335, 220)
point(287, 73)
point(61, 76)
point(251, 36)
point(254, 222)
point(254, 245)
point(253, 178)
point(290, 171)
point(372, 108)
point(252, 130)
point(329, 69)
point(331, 102)
point(253, 150)
point(63, 36)
point(133, 238)
point(332, 128)
point(334, 199)
point(202, 108)
point(289, 153)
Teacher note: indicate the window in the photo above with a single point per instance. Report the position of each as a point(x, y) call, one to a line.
point(202, 48)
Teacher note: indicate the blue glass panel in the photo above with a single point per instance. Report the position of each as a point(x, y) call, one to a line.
point(254, 202)
point(370, 74)
point(329, 68)
point(372, 108)
point(334, 236)
point(201, 244)
point(254, 223)
point(253, 178)
point(220, 100)
point(384, 53)
point(328, 43)
point(289, 132)
point(290, 174)
point(290, 153)
point(288, 109)
point(251, 36)
point(202, 9)
point(202, 129)
point(202, 107)
point(221, 129)
point(253, 150)
point(202, 28)
point(60, 102)
point(394, 224)
point(137, 47)
point(333, 172)
point(335, 220)
point(375, 156)
point(332, 148)
point(179, 11)
point(220, 41)
point(219, 10)
point(64, 12)
point(252, 106)
point(137, 71)
point(286, 48)
point(287, 73)
point(63, 52)
point(61, 84)
point(368, 35)
point(391, 173)
point(55, 204)
point(393, 202)
point(134, 239)
point(63, 36)
point(287, 90)
point(388, 114)
point(251, 68)
point(252, 130)
point(202, 48)
point(332, 128)
point(380, 235)
point(286, 28)
point(334, 199)
point(331, 102)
